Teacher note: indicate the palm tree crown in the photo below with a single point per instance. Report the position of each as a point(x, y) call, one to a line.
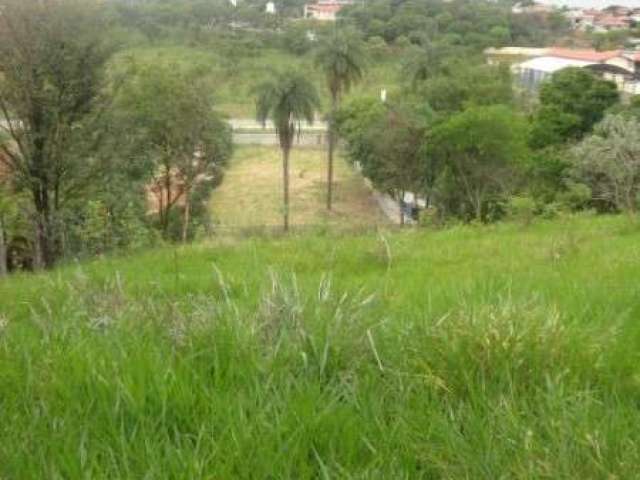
point(342, 59)
point(287, 99)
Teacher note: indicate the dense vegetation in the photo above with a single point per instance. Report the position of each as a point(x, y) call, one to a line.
point(475, 352)
point(128, 136)
point(474, 348)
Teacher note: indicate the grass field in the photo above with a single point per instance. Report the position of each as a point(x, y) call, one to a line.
point(469, 353)
point(233, 80)
point(251, 193)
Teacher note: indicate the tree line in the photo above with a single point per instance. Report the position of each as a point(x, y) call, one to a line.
point(96, 157)
point(474, 148)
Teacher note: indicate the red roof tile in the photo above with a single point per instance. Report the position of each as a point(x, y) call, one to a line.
point(583, 54)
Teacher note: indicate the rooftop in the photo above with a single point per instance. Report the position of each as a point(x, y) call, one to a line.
point(587, 55)
point(552, 64)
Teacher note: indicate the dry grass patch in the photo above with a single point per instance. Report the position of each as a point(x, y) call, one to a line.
point(251, 194)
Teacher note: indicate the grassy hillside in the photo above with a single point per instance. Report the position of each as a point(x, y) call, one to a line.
point(251, 193)
point(480, 353)
point(233, 80)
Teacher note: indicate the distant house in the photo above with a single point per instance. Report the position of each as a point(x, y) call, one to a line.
point(325, 10)
point(606, 23)
point(611, 18)
point(270, 8)
point(618, 66)
point(532, 7)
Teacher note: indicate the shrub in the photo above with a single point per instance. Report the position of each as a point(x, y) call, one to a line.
point(522, 209)
point(576, 197)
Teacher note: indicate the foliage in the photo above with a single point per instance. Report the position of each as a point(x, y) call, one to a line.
point(609, 162)
point(51, 96)
point(420, 64)
point(397, 164)
point(187, 142)
point(342, 59)
point(570, 105)
point(546, 171)
point(478, 24)
point(522, 209)
point(296, 39)
point(461, 84)
point(481, 152)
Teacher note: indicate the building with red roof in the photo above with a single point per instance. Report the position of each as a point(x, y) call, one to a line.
point(325, 10)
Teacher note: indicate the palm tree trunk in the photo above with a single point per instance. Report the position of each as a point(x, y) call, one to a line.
point(187, 215)
point(165, 215)
point(332, 144)
point(285, 181)
point(3, 250)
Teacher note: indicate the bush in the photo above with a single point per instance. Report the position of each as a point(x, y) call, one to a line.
point(576, 197)
point(377, 48)
point(522, 209)
point(402, 42)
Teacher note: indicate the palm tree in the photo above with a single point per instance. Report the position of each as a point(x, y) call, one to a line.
point(342, 59)
point(287, 99)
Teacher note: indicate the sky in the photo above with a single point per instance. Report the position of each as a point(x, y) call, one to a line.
point(594, 3)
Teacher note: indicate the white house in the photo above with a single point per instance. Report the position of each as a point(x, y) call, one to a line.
point(618, 66)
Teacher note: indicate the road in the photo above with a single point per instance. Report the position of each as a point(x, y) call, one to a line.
point(250, 132)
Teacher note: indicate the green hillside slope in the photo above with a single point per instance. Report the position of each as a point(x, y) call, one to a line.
point(495, 352)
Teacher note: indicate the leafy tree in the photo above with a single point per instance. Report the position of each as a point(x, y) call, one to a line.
point(53, 59)
point(296, 39)
point(420, 64)
point(571, 103)
point(398, 164)
point(287, 99)
point(188, 142)
point(461, 84)
point(386, 142)
point(552, 127)
point(481, 151)
point(341, 58)
point(355, 120)
point(546, 172)
point(609, 162)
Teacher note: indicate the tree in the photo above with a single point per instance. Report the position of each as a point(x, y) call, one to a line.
point(341, 57)
point(386, 142)
point(399, 163)
point(609, 162)
point(4, 240)
point(52, 60)
point(459, 84)
point(571, 103)
point(188, 142)
point(480, 150)
point(287, 99)
point(421, 64)
point(552, 127)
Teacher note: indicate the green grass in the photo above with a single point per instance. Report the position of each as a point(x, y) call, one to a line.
point(233, 80)
point(473, 352)
point(251, 193)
